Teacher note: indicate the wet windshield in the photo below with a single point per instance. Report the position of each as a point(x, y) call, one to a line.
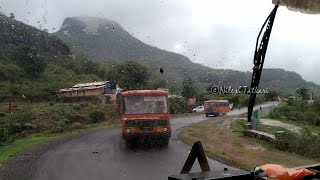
point(145, 104)
point(122, 89)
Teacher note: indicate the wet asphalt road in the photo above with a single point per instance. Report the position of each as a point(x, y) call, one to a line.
point(104, 155)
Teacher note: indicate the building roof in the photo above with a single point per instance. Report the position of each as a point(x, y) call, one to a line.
point(101, 83)
point(217, 101)
point(79, 89)
point(145, 92)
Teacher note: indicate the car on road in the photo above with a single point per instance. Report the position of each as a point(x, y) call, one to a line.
point(198, 109)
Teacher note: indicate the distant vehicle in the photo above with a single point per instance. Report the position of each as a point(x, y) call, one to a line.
point(198, 109)
point(216, 107)
point(231, 106)
point(145, 115)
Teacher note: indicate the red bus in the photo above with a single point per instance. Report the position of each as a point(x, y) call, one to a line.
point(145, 114)
point(216, 107)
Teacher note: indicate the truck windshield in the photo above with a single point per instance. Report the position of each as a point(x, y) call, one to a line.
point(145, 104)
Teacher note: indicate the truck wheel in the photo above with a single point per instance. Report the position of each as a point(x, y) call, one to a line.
point(130, 143)
point(165, 142)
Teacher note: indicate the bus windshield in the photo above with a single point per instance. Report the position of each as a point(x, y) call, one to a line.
point(145, 104)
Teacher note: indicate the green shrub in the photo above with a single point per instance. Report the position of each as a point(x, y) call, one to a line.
point(2, 115)
point(178, 106)
point(83, 105)
point(306, 143)
point(97, 116)
point(4, 136)
point(23, 117)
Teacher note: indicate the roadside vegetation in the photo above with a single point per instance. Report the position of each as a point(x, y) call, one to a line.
point(51, 118)
point(33, 123)
point(304, 115)
point(305, 143)
point(223, 140)
point(299, 111)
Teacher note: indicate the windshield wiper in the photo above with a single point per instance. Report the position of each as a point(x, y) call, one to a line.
point(259, 55)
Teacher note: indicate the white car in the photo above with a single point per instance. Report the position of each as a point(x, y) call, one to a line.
point(198, 109)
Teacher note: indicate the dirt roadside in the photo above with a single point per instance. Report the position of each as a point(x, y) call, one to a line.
point(222, 142)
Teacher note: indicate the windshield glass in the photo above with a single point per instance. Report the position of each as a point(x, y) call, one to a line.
point(122, 89)
point(145, 104)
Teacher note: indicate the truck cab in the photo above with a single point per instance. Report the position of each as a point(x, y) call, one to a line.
point(145, 115)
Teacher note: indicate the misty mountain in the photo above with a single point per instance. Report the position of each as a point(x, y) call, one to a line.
point(14, 32)
point(107, 41)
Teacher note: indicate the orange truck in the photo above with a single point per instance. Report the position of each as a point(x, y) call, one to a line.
point(145, 115)
point(216, 107)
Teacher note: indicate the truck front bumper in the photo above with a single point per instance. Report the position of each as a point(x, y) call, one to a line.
point(154, 136)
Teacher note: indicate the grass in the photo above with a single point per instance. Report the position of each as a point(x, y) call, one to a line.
point(238, 125)
point(22, 144)
point(313, 128)
point(223, 140)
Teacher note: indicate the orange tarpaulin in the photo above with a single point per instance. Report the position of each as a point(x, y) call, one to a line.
point(277, 172)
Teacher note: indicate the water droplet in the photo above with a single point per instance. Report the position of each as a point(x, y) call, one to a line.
point(107, 27)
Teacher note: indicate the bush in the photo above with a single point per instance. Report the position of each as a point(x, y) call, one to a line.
point(5, 136)
point(306, 143)
point(178, 106)
point(24, 117)
point(83, 105)
point(310, 117)
point(2, 115)
point(97, 116)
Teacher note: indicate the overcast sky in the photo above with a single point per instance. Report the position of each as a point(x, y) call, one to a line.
point(219, 34)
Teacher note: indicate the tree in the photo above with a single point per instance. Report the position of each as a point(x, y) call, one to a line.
point(130, 75)
point(10, 72)
point(83, 65)
point(303, 92)
point(272, 95)
point(12, 16)
point(27, 58)
point(188, 89)
point(316, 104)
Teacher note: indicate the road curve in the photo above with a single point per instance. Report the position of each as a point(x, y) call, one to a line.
point(103, 155)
